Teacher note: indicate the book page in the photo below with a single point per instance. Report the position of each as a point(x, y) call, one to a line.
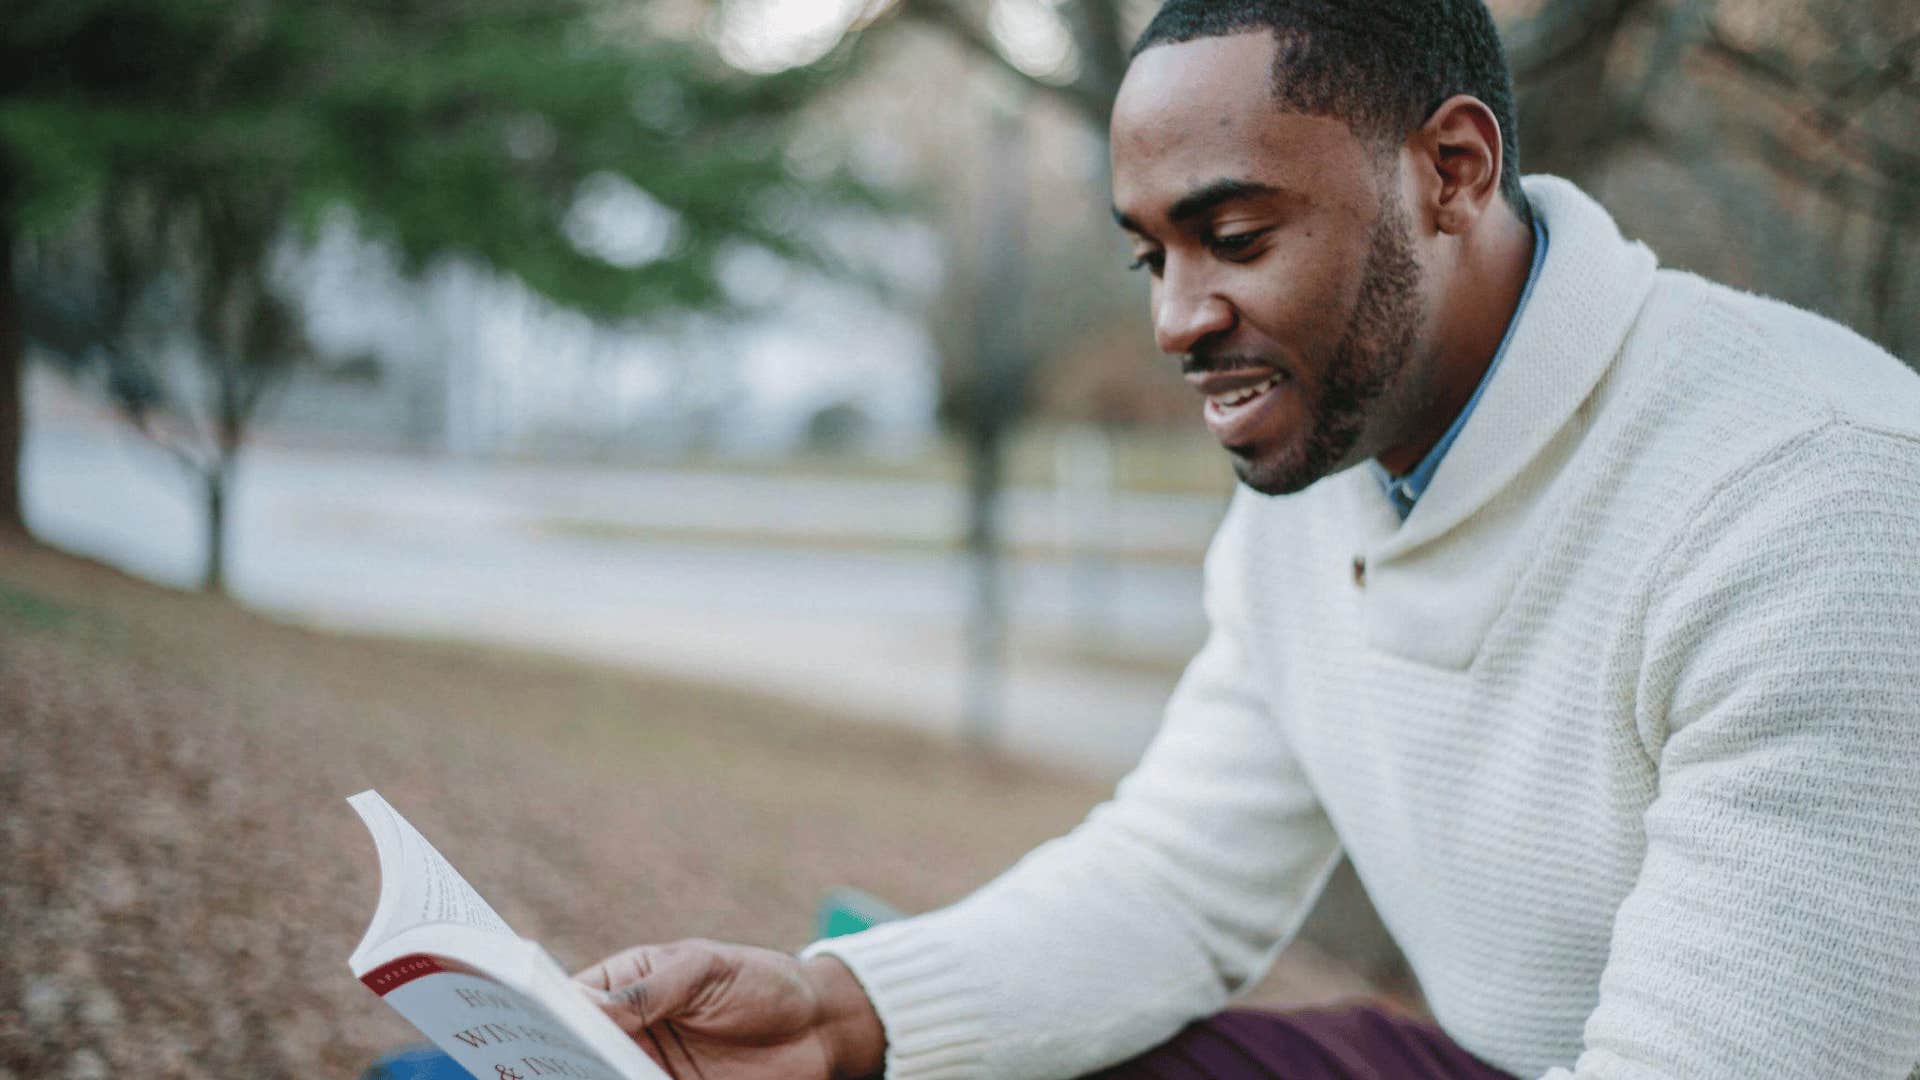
point(417, 884)
point(491, 1030)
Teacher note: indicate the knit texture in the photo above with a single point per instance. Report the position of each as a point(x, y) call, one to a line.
point(1621, 727)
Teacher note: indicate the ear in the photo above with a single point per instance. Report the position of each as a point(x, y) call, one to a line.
point(1458, 152)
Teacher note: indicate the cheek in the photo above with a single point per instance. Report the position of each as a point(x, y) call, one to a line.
point(1302, 292)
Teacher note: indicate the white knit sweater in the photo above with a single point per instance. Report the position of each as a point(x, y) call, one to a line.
point(1621, 729)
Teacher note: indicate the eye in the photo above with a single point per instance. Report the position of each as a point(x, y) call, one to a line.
point(1150, 261)
point(1236, 245)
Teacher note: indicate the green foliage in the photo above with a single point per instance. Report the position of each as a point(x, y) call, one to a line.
point(447, 126)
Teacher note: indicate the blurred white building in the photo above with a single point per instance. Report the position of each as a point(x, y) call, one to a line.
point(471, 363)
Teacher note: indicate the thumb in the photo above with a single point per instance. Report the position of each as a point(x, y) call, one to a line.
point(650, 984)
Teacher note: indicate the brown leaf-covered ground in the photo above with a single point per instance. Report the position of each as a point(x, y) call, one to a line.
point(181, 880)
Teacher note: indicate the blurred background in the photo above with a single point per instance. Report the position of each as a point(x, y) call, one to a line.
point(687, 453)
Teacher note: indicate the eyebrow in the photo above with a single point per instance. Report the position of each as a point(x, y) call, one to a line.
point(1207, 198)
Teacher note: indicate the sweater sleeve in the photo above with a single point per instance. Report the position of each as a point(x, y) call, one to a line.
point(1169, 897)
point(1774, 928)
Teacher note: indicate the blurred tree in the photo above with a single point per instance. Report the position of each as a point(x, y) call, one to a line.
point(111, 303)
point(990, 404)
point(1785, 128)
point(163, 158)
point(988, 385)
point(12, 346)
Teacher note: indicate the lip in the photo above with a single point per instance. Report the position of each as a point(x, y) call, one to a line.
point(1243, 423)
point(1210, 383)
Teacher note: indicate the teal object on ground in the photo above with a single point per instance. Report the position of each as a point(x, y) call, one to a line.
point(849, 911)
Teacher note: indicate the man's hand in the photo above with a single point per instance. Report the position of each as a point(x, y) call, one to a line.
point(707, 1011)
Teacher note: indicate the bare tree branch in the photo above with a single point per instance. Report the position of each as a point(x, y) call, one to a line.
point(1103, 54)
point(1883, 272)
point(1684, 26)
point(1871, 82)
point(181, 451)
point(1821, 108)
point(1084, 95)
point(1562, 33)
point(1838, 185)
point(1899, 166)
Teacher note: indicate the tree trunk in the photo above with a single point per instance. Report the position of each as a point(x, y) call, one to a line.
point(987, 617)
point(1889, 321)
point(1568, 111)
point(214, 579)
point(996, 395)
point(12, 373)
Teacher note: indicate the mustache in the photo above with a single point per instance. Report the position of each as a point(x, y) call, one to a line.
point(1205, 363)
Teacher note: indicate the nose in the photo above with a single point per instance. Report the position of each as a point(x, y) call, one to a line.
point(1186, 311)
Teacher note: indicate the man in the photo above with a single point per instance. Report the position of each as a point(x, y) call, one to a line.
point(1577, 601)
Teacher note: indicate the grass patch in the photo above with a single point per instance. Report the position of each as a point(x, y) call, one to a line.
point(24, 610)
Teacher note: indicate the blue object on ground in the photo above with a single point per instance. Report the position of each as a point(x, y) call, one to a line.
point(416, 1063)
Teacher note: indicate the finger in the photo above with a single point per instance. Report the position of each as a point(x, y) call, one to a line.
point(619, 969)
point(671, 984)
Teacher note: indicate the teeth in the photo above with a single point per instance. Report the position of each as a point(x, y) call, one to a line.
point(1242, 396)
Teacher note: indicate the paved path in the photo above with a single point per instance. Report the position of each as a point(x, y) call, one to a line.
point(559, 558)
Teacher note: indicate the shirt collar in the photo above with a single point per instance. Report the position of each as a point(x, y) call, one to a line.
point(1404, 491)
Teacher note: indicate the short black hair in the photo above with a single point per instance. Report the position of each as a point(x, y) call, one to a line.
point(1383, 66)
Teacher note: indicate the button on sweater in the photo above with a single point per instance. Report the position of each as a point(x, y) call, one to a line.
point(1621, 731)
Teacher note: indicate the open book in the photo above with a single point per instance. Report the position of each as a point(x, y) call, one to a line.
point(494, 1001)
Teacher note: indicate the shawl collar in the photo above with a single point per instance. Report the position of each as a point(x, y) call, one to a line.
point(1589, 293)
point(1437, 581)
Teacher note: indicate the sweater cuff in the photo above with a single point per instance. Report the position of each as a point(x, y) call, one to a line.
point(935, 1016)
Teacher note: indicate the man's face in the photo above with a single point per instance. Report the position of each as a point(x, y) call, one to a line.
point(1280, 254)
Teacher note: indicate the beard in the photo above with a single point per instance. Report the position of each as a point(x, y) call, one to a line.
point(1369, 360)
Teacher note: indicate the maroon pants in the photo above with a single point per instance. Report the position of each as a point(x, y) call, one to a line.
point(1359, 1042)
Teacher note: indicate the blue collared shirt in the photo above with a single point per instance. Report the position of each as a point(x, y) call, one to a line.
point(1404, 491)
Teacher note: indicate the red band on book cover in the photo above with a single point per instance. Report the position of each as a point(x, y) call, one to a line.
point(395, 974)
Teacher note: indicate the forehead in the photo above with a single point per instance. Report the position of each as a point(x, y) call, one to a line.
point(1200, 111)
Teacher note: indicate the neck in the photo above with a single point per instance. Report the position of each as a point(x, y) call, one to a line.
point(1488, 280)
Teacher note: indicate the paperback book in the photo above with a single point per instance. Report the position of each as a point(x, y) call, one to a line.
point(497, 1003)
